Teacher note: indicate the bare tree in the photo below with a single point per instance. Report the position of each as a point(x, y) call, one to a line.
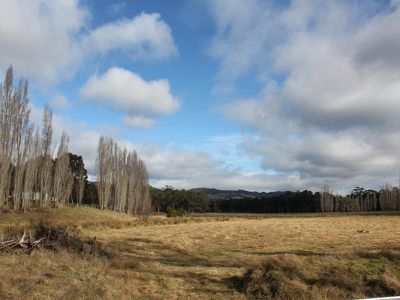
point(6, 142)
point(121, 180)
point(81, 182)
point(389, 197)
point(22, 135)
point(46, 155)
point(63, 177)
point(31, 171)
point(104, 174)
point(327, 199)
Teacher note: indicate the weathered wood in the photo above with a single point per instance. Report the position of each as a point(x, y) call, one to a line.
point(21, 243)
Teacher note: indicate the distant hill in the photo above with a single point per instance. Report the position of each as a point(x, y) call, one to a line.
point(229, 194)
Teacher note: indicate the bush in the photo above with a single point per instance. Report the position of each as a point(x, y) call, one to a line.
point(175, 212)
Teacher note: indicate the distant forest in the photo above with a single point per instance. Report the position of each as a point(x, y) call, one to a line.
point(360, 199)
point(197, 201)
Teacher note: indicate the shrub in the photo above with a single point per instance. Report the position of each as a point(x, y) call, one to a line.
point(175, 212)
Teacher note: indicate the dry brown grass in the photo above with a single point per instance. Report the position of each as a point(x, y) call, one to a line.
point(345, 276)
point(200, 257)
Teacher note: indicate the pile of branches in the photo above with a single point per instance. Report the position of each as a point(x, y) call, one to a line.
point(53, 238)
point(24, 243)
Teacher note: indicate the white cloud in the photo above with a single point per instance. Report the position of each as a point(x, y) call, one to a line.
point(127, 92)
point(167, 165)
point(142, 37)
point(39, 37)
point(47, 41)
point(59, 101)
point(183, 168)
point(328, 111)
point(138, 121)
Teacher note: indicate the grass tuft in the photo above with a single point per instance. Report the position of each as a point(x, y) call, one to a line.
point(323, 277)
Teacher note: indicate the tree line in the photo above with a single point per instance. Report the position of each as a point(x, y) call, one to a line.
point(177, 201)
point(31, 176)
point(360, 199)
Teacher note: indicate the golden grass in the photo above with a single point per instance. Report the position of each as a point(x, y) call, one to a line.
point(67, 216)
point(320, 277)
point(194, 257)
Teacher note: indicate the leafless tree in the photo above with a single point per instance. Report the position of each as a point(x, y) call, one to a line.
point(6, 142)
point(104, 175)
point(22, 135)
point(63, 177)
point(327, 199)
point(31, 171)
point(389, 197)
point(121, 179)
point(81, 182)
point(46, 155)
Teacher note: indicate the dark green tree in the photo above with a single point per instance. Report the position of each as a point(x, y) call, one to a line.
point(80, 177)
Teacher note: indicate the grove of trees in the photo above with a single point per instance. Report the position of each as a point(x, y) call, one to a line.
point(184, 200)
point(28, 174)
point(122, 179)
point(31, 177)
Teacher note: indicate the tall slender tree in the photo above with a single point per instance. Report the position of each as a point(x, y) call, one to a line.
point(31, 183)
point(46, 155)
point(22, 135)
point(63, 177)
point(6, 142)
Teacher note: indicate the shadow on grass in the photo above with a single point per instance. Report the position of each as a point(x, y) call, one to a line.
point(200, 270)
point(134, 253)
point(294, 252)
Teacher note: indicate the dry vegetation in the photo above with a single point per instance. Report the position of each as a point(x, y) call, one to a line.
point(210, 257)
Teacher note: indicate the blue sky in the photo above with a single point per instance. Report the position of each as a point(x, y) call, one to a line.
point(259, 95)
point(190, 74)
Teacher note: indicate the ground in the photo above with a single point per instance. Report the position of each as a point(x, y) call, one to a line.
point(198, 257)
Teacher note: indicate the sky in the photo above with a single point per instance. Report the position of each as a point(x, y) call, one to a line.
point(229, 94)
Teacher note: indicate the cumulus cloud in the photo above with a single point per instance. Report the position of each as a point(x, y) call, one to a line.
point(328, 108)
point(39, 37)
point(48, 40)
point(142, 37)
point(127, 92)
point(59, 101)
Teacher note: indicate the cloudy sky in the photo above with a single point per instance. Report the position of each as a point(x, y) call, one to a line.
point(259, 95)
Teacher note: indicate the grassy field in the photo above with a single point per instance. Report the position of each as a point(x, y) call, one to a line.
point(214, 256)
